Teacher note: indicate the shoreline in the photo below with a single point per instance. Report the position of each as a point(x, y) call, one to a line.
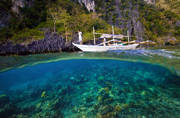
point(55, 43)
point(9, 49)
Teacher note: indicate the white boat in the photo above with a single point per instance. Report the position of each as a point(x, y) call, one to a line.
point(96, 48)
point(107, 45)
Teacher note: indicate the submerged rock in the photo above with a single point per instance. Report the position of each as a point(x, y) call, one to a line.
point(4, 99)
point(8, 110)
point(106, 109)
point(43, 95)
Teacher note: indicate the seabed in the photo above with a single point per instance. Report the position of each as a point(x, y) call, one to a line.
point(86, 88)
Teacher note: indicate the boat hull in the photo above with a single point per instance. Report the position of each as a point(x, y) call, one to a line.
point(95, 48)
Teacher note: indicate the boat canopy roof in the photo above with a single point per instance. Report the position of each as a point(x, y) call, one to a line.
point(119, 36)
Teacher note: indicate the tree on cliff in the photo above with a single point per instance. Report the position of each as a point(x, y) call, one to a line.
point(58, 16)
point(54, 15)
point(65, 19)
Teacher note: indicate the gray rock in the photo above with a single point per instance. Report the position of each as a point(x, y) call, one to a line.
point(132, 23)
point(89, 4)
point(178, 23)
point(51, 43)
point(137, 25)
point(150, 1)
point(17, 4)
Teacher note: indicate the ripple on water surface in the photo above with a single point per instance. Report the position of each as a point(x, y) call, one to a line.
point(90, 88)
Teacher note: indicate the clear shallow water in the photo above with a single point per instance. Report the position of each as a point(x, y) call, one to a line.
point(169, 58)
point(104, 85)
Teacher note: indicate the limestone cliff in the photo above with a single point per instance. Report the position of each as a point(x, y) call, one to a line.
point(52, 42)
point(9, 8)
point(150, 1)
point(123, 14)
point(16, 5)
point(89, 4)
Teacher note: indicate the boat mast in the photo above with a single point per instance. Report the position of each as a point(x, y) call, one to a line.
point(113, 33)
point(128, 36)
point(94, 36)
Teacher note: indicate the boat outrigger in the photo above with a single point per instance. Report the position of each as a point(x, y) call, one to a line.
point(113, 44)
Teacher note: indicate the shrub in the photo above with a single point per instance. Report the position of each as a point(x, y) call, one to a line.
point(28, 34)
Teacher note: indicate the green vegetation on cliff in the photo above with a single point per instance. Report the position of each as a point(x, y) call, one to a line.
point(159, 23)
point(67, 17)
point(63, 16)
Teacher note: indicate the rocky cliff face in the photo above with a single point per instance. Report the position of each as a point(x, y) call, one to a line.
point(17, 4)
point(137, 26)
point(4, 18)
point(51, 43)
point(150, 1)
point(128, 18)
point(89, 4)
point(5, 13)
point(123, 14)
point(10, 8)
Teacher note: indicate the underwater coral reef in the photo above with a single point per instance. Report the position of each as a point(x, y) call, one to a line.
point(90, 89)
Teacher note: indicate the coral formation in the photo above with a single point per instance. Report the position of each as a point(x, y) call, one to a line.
point(94, 88)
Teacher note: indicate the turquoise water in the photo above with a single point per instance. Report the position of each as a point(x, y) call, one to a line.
point(90, 88)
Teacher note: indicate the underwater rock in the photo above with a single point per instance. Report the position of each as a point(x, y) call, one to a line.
point(58, 87)
point(4, 99)
point(173, 81)
point(36, 93)
point(43, 94)
point(58, 114)
point(80, 80)
point(28, 109)
point(58, 104)
point(104, 98)
point(106, 109)
point(118, 108)
point(150, 81)
point(143, 93)
point(100, 79)
point(108, 84)
point(38, 105)
point(108, 100)
point(72, 78)
point(124, 106)
point(104, 90)
point(20, 116)
point(66, 90)
point(176, 94)
point(89, 99)
point(8, 110)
